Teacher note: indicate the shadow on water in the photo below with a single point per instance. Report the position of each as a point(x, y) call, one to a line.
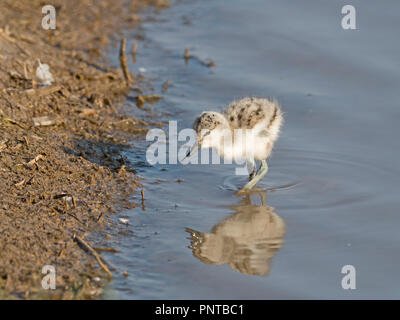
point(246, 240)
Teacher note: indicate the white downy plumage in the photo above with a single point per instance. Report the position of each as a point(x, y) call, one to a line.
point(43, 74)
point(246, 129)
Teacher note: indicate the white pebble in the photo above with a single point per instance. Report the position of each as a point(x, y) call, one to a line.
point(124, 221)
point(43, 74)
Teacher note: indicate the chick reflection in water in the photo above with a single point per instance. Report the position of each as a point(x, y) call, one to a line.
point(246, 240)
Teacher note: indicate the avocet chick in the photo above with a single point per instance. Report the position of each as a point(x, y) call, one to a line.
point(246, 129)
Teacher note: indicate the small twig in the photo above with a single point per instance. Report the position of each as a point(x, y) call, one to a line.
point(73, 202)
point(102, 76)
point(26, 141)
point(36, 159)
point(14, 41)
point(3, 145)
point(186, 54)
point(123, 63)
point(43, 91)
point(164, 87)
point(25, 71)
point(8, 120)
point(100, 217)
point(20, 183)
point(106, 249)
point(69, 214)
point(94, 253)
point(133, 51)
point(6, 36)
point(143, 206)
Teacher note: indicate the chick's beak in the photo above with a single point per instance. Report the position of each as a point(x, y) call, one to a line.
point(192, 150)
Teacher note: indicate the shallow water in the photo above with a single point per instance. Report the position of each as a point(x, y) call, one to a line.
point(330, 196)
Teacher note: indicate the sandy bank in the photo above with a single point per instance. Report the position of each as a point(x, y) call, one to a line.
point(63, 174)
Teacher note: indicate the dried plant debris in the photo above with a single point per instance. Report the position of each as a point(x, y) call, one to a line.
point(44, 121)
point(149, 98)
point(123, 62)
point(133, 51)
point(165, 86)
point(162, 3)
point(205, 62)
point(186, 54)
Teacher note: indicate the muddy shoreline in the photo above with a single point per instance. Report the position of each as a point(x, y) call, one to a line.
point(61, 169)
